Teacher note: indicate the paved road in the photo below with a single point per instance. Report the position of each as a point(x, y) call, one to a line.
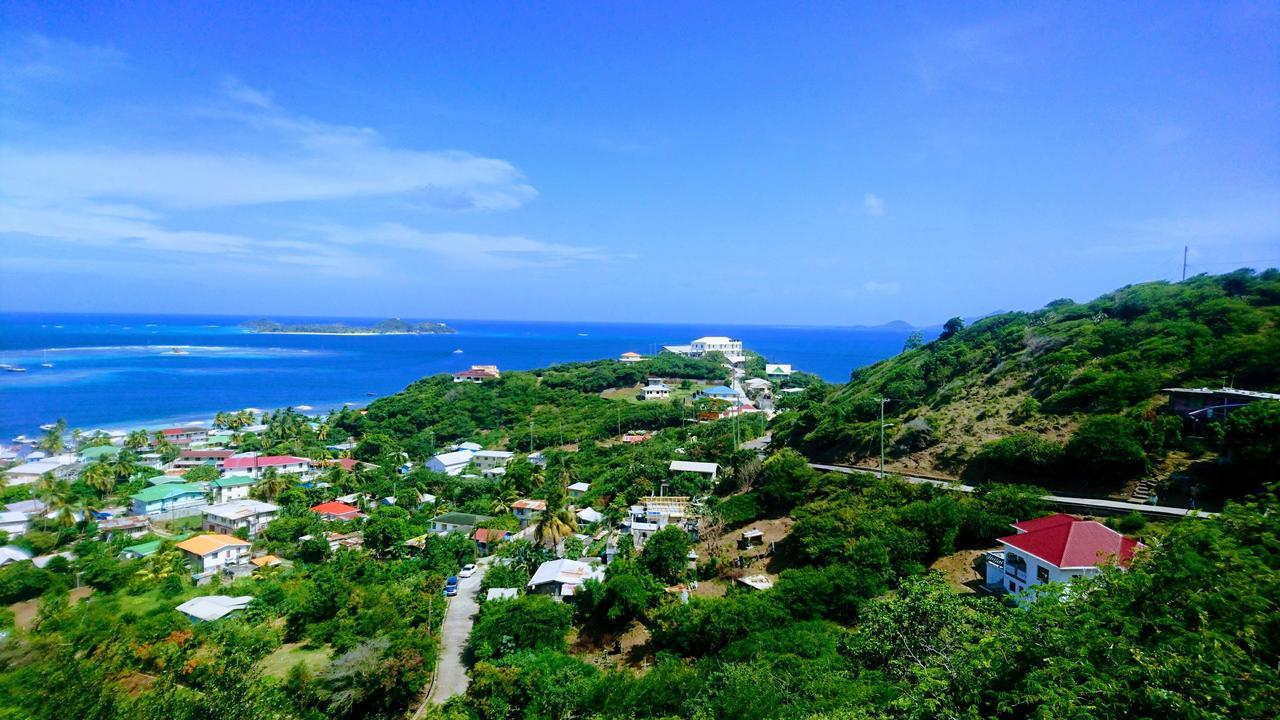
point(1095, 504)
point(451, 675)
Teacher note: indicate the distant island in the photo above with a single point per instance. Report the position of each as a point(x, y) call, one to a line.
point(392, 326)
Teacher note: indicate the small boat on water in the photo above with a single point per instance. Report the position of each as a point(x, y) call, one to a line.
point(46, 363)
point(15, 368)
point(371, 394)
point(303, 407)
point(178, 351)
point(458, 351)
point(47, 427)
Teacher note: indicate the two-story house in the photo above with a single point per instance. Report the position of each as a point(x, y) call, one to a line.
point(1056, 549)
point(249, 515)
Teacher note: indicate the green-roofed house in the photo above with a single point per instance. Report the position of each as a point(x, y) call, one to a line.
point(98, 452)
point(220, 438)
point(456, 522)
point(235, 486)
point(166, 498)
point(141, 550)
point(166, 479)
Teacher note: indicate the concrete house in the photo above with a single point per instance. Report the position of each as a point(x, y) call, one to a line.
point(255, 465)
point(249, 515)
point(559, 578)
point(777, 371)
point(456, 522)
point(1056, 549)
point(231, 487)
point(451, 463)
point(211, 553)
point(487, 460)
point(185, 435)
point(578, 489)
point(63, 467)
point(656, 390)
point(170, 497)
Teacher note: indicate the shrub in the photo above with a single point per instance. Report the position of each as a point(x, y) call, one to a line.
point(1023, 457)
point(1106, 448)
point(532, 622)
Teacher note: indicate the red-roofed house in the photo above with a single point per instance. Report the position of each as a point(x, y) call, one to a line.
point(336, 511)
point(1056, 549)
point(185, 435)
point(486, 538)
point(255, 464)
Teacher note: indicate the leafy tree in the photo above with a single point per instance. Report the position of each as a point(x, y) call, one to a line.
point(951, 327)
point(665, 554)
point(386, 530)
point(531, 622)
point(202, 473)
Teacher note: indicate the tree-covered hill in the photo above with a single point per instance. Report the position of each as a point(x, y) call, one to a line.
point(1071, 389)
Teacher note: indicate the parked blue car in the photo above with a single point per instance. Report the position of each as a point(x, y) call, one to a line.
point(451, 586)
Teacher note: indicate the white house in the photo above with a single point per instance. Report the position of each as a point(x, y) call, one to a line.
point(758, 385)
point(211, 553)
point(235, 486)
point(578, 489)
point(12, 554)
point(63, 467)
point(777, 371)
point(559, 578)
point(705, 469)
point(1056, 549)
point(656, 391)
point(486, 460)
point(255, 465)
point(13, 523)
point(250, 515)
point(715, 343)
point(451, 463)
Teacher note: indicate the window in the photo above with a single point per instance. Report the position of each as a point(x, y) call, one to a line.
point(1042, 574)
point(1012, 587)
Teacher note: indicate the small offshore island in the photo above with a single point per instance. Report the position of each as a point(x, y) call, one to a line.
point(391, 326)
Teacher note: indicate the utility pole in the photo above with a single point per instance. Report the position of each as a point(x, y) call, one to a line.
point(1184, 261)
point(530, 436)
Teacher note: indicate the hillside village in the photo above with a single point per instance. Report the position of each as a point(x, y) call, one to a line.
point(630, 516)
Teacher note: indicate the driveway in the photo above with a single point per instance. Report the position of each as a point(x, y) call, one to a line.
point(451, 675)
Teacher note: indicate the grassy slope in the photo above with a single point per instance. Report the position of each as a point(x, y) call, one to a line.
point(1044, 371)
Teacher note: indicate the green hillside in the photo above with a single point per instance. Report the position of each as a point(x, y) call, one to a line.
point(1066, 395)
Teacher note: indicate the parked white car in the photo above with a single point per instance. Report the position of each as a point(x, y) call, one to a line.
point(467, 571)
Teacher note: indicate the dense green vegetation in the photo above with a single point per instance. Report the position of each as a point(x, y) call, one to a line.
point(1069, 394)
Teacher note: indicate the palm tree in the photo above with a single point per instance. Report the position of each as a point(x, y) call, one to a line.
point(504, 494)
point(270, 484)
point(54, 440)
point(137, 440)
point(100, 476)
point(164, 564)
point(557, 521)
point(123, 467)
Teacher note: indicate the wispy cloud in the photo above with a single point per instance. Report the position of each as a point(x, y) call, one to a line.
point(873, 287)
point(29, 59)
point(141, 199)
point(873, 205)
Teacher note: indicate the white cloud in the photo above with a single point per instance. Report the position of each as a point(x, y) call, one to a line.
point(873, 205)
point(872, 287)
point(152, 201)
point(36, 59)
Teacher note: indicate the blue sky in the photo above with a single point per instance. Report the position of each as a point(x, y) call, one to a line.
point(736, 162)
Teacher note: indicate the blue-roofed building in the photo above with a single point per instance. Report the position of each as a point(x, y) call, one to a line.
point(720, 392)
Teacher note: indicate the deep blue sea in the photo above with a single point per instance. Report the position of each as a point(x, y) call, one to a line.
point(116, 371)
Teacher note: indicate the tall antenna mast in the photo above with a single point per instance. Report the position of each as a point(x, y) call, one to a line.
point(1184, 262)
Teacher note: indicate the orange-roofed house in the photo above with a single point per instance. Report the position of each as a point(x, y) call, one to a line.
point(337, 511)
point(211, 553)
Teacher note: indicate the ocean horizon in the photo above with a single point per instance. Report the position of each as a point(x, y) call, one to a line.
point(114, 370)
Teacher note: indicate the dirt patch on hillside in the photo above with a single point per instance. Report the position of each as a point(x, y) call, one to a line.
point(964, 570)
point(613, 649)
point(25, 612)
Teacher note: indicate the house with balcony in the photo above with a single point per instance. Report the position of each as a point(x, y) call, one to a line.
point(170, 497)
point(255, 465)
point(248, 515)
point(1055, 549)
